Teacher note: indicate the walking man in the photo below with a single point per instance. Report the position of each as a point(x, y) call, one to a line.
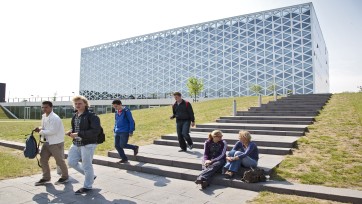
point(184, 114)
point(52, 132)
point(86, 127)
point(123, 128)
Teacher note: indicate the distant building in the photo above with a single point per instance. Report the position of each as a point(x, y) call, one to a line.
point(283, 46)
point(2, 92)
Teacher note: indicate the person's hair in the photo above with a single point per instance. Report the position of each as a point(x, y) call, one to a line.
point(214, 133)
point(177, 93)
point(84, 99)
point(245, 134)
point(117, 101)
point(50, 104)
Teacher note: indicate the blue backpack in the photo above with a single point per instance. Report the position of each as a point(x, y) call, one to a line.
point(31, 147)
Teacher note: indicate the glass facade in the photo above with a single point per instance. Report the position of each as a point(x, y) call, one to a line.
point(282, 47)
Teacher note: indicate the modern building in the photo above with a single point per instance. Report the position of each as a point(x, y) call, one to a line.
point(2, 92)
point(282, 47)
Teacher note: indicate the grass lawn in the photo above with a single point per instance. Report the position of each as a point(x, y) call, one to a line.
point(267, 197)
point(331, 153)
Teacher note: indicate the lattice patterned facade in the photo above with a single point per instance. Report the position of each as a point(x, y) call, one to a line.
point(283, 46)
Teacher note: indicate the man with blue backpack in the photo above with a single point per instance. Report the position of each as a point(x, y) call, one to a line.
point(123, 129)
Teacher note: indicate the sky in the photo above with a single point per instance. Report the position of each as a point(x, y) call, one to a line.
point(41, 40)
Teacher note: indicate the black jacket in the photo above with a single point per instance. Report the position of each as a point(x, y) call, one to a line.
point(183, 111)
point(89, 127)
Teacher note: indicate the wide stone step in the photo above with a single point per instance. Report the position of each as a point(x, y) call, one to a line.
point(259, 132)
point(246, 126)
point(278, 118)
point(278, 113)
point(260, 140)
point(265, 121)
point(275, 109)
point(200, 145)
point(190, 160)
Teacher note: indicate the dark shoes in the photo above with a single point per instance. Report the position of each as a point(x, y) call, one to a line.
point(190, 147)
point(229, 174)
point(204, 184)
point(182, 150)
point(61, 181)
point(82, 191)
point(41, 182)
point(123, 161)
point(135, 151)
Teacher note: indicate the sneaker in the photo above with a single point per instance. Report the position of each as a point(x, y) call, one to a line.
point(204, 184)
point(198, 181)
point(61, 181)
point(190, 147)
point(182, 150)
point(41, 182)
point(123, 161)
point(82, 191)
point(135, 151)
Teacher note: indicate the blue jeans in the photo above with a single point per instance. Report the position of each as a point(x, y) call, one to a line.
point(235, 165)
point(183, 130)
point(86, 167)
point(121, 142)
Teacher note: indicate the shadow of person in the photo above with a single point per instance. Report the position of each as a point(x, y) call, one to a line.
point(160, 181)
point(197, 154)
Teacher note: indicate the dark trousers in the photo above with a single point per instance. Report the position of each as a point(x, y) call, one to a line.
point(183, 129)
point(207, 172)
point(121, 142)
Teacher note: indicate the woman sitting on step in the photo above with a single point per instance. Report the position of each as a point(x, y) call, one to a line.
point(214, 158)
point(244, 153)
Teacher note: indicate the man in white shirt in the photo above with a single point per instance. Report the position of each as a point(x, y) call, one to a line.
point(52, 131)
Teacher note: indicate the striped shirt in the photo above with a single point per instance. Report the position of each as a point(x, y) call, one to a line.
point(77, 141)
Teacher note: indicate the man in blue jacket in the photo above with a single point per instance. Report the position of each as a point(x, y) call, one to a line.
point(123, 128)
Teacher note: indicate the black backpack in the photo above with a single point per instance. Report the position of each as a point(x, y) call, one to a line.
point(101, 137)
point(31, 149)
point(254, 175)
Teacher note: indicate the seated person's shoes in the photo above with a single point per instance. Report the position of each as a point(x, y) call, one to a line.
point(204, 184)
point(198, 181)
point(229, 174)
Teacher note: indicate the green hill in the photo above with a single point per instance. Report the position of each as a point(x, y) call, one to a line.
point(3, 115)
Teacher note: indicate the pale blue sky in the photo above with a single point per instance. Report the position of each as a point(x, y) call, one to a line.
point(41, 40)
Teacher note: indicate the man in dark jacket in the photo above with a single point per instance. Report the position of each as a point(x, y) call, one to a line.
point(86, 127)
point(184, 114)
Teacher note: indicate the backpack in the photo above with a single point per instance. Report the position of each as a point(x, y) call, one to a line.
point(101, 137)
point(254, 175)
point(31, 149)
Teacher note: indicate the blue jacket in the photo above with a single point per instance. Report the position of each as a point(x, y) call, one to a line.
point(124, 122)
point(251, 150)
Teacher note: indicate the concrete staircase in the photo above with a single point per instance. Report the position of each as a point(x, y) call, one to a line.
point(275, 128)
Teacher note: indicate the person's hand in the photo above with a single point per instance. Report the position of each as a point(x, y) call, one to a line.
point(207, 162)
point(68, 133)
point(229, 159)
point(37, 129)
point(172, 117)
point(130, 134)
point(73, 135)
point(192, 124)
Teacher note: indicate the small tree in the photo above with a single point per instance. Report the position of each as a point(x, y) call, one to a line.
point(257, 90)
point(195, 86)
point(273, 87)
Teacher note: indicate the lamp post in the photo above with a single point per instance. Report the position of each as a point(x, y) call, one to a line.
point(24, 107)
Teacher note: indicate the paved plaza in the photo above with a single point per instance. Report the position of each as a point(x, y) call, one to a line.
point(118, 186)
